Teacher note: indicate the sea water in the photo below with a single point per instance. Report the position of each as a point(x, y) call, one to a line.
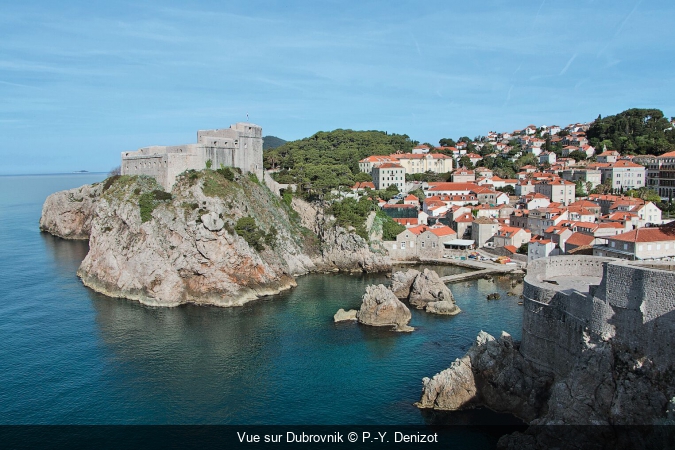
point(69, 355)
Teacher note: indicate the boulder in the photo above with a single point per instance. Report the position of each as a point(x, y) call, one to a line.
point(444, 307)
point(428, 287)
point(381, 308)
point(401, 282)
point(212, 222)
point(343, 316)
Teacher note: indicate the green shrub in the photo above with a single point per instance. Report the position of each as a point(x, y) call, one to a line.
point(247, 228)
point(253, 177)
point(287, 197)
point(390, 228)
point(349, 212)
point(147, 205)
point(148, 201)
point(209, 163)
point(226, 172)
point(161, 195)
point(271, 237)
point(110, 181)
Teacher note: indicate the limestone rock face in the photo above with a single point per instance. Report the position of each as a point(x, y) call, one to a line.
point(450, 389)
point(380, 308)
point(68, 214)
point(492, 373)
point(343, 316)
point(166, 250)
point(340, 249)
point(212, 222)
point(424, 290)
point(401, 282)
point(183, 254)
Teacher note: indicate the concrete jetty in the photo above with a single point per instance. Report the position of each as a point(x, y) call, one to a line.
point(481, 268)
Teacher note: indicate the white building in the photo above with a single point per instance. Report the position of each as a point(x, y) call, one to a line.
point(624, 174)
point(558, 191)
point(384, 175)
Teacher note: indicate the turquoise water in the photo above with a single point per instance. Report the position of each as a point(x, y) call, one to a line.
point(72, 356)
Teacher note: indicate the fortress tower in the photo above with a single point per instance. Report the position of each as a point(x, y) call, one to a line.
point(238, 146)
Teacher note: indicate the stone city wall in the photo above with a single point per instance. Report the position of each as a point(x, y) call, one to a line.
point(632, 305)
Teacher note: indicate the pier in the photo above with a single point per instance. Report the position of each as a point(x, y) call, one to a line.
point(481, 268)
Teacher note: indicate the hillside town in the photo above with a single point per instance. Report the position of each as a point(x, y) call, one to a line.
point(576, 200)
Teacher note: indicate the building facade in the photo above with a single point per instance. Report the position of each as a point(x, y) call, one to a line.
point(384, 175)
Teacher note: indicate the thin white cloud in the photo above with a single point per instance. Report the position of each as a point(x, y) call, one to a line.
point(569, 63)
point(623, 23)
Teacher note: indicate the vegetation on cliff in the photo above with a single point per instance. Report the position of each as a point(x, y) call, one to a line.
point(220, 237)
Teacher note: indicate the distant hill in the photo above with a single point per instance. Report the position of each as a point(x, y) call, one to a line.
point(634, 131)
point(270, 142)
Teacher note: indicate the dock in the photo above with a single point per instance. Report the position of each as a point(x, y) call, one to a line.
point(481, 268)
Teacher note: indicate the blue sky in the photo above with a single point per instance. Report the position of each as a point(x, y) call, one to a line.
point(82, 81)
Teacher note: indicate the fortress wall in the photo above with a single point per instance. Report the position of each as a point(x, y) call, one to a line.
point(551, 336)
point(633, 305)
point(567, 265)
point(554, 319)
point(238, 146)
point(642, 298)
point(152, 165)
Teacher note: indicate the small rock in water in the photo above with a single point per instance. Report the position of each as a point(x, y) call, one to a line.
point(342, 315)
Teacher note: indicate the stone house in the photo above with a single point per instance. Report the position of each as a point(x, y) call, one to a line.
point(577, 240)
point(541, 248)
point(411, 200)
point(483, 229)
point(462, 224)
point(640, 244)
point(547, 158)
point(463, 175)
point(608, 156)
point(511, 236)
point(624, 175)
point(534, 201)
point(420, 242)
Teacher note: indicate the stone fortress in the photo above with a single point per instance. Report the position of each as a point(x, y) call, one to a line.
point(239, 146)
point(630, 304)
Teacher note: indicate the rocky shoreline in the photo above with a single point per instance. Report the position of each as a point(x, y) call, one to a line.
point(212, 240)
point(594, 368)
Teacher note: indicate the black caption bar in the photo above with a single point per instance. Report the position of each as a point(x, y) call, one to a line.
point(323, 437)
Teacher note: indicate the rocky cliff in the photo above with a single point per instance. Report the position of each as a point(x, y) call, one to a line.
point(218, 238)
point(68, 214)
point(609, 387)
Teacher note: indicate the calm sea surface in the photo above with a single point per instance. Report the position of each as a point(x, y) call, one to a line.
point(71, 356)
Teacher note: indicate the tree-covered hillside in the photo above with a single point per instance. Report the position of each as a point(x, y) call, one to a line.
point(634, 131)
point(330, 159)
point(270, 142)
